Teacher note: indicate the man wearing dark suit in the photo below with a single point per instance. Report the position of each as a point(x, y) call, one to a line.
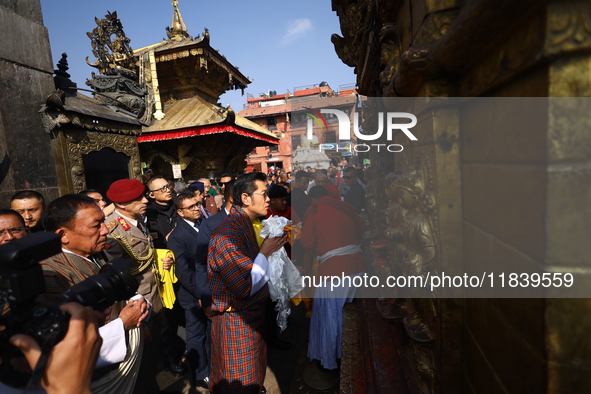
point(297, 198)
point(183, 243)
point(191, 270)
point(355, 194)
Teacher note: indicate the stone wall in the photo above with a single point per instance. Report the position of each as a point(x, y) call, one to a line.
point(26, 160)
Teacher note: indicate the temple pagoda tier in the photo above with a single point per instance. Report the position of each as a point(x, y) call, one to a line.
point(185, 77)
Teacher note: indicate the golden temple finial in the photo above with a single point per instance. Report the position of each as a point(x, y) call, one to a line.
point(178, 28)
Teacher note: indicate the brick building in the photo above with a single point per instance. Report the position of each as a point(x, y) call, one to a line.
point(282, 114)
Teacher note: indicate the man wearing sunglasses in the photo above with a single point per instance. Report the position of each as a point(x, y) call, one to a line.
point(161, 212)
point(354, 190)
point(162, 219)
point(183, 243)
point(297, 197)
point(224, 179)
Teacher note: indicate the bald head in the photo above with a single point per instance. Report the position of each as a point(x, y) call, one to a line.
point(320, 179)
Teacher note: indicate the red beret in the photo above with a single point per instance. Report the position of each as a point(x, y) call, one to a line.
point(125, 190)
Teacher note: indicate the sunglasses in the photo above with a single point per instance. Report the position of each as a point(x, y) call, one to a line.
point(348, 177)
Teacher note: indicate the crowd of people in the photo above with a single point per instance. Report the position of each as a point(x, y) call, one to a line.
point(205, 234)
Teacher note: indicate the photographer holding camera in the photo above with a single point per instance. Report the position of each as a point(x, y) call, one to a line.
point(71, 363)
point(79, 223)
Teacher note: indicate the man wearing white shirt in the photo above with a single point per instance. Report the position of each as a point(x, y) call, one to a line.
point(183, 243)
point(80, 224)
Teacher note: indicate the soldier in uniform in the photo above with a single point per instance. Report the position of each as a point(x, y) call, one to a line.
point(129, 238)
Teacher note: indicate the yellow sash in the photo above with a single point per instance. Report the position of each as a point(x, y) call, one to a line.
point(167, 278)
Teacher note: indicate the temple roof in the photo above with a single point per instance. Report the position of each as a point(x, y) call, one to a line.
point(187, 77)
point(85, 112)
point(172, 49)
point(87, 105)
point(180, 44)
point(196, 116)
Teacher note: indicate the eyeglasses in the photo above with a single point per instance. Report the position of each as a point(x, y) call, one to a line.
point(348, 177)
point(263, 193)
point(194, 207)
point(12, 231)
point(163, 189)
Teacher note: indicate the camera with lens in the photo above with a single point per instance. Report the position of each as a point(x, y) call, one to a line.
point(21, 281)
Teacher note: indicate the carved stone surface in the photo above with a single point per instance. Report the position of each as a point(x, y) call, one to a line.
point(79, 143)
point(26, 77)
point(119, 91)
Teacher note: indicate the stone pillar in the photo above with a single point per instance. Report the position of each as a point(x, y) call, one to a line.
point(26, 78)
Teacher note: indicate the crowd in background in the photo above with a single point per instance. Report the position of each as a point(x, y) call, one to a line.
point(136, 220)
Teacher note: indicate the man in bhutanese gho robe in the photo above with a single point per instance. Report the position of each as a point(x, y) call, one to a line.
point(237, 271)
point(79, 223)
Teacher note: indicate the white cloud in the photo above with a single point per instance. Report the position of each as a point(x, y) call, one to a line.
point(296, 29)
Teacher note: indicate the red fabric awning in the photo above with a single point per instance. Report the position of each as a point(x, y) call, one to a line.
point(192, 132)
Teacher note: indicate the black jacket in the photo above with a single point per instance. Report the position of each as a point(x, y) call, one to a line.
point(356, 197)
point(299, 201)
point(183, 243)
point(207, 228)
point(162, 219)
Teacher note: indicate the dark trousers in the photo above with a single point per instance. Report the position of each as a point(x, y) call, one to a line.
point(170, 340)
point(146, 380)
point(198, 340)
point(271, 334)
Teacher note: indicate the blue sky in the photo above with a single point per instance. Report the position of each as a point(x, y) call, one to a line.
point(279, 44)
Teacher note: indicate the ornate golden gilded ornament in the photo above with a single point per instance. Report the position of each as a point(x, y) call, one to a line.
point(111, 53)
point(118, 85)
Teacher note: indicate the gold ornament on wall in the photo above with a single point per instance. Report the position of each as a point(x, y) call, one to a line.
point(81, 143)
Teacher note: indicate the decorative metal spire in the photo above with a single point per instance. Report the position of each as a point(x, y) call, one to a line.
point(178, 28)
